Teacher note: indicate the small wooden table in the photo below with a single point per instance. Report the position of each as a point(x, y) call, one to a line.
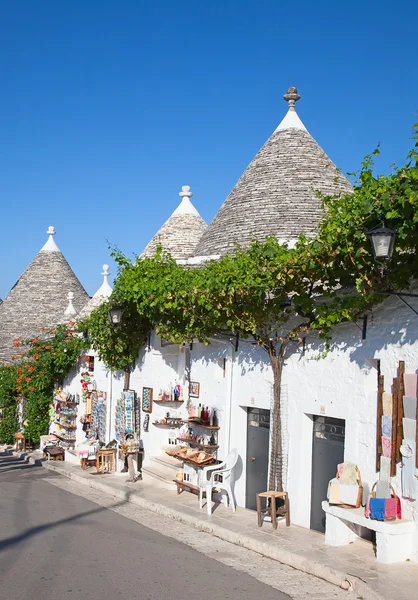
point(272, 510)
point(106, 460)
point(54, 453)
point(22, 443)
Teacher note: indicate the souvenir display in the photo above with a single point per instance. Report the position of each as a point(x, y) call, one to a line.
point(120, 420)
point(137, 411)
point(129, 411)
point(194, 389)
point(63, 414)
point(98, 414)
point(171, 394)
point(147, 399)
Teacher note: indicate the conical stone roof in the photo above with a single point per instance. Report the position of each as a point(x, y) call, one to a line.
point(277, 193)
point(181, 233)
point(39, 298)
point(103, 293)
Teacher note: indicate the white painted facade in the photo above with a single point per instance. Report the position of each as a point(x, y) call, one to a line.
point(342, 385)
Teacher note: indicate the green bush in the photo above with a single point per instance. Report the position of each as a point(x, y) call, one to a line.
point(8, 424)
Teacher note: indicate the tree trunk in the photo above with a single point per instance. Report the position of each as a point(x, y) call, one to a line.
point(126, 377)
point(276, 448)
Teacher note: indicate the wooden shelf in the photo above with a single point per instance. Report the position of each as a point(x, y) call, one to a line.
point(169, 401)
point(64, 439)
point(196, 464)
point(200, 424)
point(197, 445)
point(167, 425)
point(67, 402)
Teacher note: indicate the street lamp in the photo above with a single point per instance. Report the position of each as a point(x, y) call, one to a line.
point(115, 316)
point(383, 242)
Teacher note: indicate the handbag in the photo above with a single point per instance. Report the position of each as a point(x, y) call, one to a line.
point(392, 505)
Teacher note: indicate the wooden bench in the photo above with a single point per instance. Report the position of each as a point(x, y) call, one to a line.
point(396, 541)
point(190, 487)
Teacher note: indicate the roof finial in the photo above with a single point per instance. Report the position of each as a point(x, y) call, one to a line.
point(104, 290)
point(70, 311)
point(291, 97)
point(185, 191)
point(50, 245)
point(106, 272)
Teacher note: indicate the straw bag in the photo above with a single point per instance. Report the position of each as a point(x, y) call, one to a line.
point(359, 493)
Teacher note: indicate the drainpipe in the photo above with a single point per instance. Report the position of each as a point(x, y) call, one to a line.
point(229, 388)
point(109, 407)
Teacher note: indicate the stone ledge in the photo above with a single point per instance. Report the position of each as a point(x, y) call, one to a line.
point(356, 516)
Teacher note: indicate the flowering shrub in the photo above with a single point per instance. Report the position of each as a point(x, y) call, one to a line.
point(38, 367)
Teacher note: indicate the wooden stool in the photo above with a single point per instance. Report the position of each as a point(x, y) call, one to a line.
point(272, 510)
point(22, 443)
point(106, 460)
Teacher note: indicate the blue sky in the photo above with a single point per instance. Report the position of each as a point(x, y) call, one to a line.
point(107, 109)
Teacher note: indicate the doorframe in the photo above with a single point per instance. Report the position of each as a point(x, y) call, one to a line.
point(300, 457)
point(300, 469)
point(247, 410)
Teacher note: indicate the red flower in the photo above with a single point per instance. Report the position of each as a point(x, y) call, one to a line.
point(31, 389)
point(36, 356)
point(48, 347)
point(19, 387)
point(27, 379)
point(31, 369)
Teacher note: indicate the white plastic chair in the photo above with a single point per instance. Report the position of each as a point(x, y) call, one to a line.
point(218, 477)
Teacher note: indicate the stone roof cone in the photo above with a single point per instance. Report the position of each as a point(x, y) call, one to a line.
point(276, 194)
point(103, 293)
point(181, 233)
point(39, 298)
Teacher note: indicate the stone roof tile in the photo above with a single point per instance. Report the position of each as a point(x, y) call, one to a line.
point(181, 233)
point(277, 193)
point(39, 298)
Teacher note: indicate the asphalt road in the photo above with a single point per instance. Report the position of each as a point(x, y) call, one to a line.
point(55, 545)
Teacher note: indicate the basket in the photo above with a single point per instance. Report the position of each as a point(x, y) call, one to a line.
point(359, 493)
point(392, 491)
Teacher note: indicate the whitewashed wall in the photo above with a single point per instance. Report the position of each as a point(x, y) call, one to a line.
point(343, 385)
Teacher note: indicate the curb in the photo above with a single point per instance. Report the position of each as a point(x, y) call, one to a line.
point(334, 576)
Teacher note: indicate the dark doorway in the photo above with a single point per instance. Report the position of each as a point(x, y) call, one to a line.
point(327, 453)
point(258, 439)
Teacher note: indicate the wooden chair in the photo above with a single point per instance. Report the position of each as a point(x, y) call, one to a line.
point(271, 508)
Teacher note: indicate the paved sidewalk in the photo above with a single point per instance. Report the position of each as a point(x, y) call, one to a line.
point(352, 566)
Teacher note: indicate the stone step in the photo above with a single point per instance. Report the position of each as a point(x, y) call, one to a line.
point(161, 475)
point(167, 462)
